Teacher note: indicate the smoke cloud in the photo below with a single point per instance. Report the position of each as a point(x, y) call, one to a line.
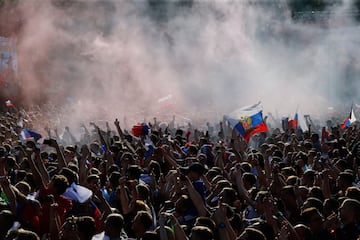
point(106, 59)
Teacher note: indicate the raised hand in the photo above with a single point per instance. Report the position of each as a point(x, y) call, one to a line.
point(117, 123)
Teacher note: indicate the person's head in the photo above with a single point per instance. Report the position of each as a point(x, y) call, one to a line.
point(344, 180)
point(114, 179)
point(126, 160)
point(353, 193)
point(94, 147)
point(249, 180)
point(308, 178)
point(237, 223)
point(23, 187)
point(253, 159)
point(133, 172)
point(82, 228)
point(151, 235)
point(292, 180)
point(86, 227)
point(330, 206)
point(141, 223)
point(196, 170)
point(70, 152)
point(265, 228)
point(251, 234)
point(21, 234)
point(20, 175)
point(201, 232)
point(350, 211)
point(212, 173)
point(304, 192)
point(143, 191)
point(206, 222)
point(155, 168)
point(114, 224)
point(228, 196)
point(73, 167)
point(303, 232)
point(313, 219)
point(140, 205)
point(261, 198)
point(316, 192)
point(192, 151)
point(170, 235)
point(93, 182)
point(313, 202)
point(221, 185)
point(288, 197)
point(59, 184)
point(183, 204)
point(6, 221)
point(69, 174)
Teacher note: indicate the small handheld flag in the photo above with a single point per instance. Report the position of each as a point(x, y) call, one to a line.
point(8, 103)
point(349, 120)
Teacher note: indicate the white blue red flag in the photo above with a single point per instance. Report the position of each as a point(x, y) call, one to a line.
point(247, 121)
point(8, 103)
point(349, 120)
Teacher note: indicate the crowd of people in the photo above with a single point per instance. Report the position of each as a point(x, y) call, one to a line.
point(163, 182)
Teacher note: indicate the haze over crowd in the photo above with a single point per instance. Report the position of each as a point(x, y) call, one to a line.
point(117, 57)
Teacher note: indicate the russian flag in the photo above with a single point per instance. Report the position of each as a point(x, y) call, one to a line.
point(294, 123)
point(8, 103)
point(349, 120)
point(247, 121)
point(166, 102)
point(28, 134)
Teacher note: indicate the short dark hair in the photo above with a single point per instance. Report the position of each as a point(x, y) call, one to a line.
point(143, 191)
point(92, 177)
point(86, 225)
point(115, 220)
point(307, 213)
point(22, 234)
point(346, 177)
point(206, 222)
point(353, 193)
point(145, 218)
point(151, 235)
point(251, 234)
point(60, 183)
point(249, 177)
point(230, 194)
point(201, 232)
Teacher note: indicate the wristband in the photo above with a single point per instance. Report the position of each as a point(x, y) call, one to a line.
point(221, 225)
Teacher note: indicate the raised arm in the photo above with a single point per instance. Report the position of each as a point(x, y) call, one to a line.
point(196, 199)
point(6, 187)
point(118, 128)
point(61, 159)
point(240, 185)
point(226, 232)
point(35, 171)
point(72, 137)
point(85, 153)
point(178, 230)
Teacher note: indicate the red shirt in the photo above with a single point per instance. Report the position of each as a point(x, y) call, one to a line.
point(64, 205)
